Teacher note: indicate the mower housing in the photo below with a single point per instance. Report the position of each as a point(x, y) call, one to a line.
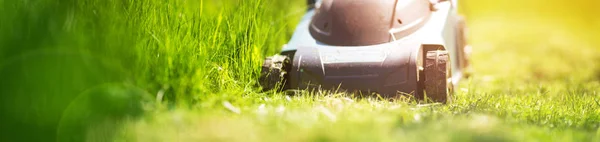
point(384, 47)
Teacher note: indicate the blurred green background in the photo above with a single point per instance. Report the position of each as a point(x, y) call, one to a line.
point(60, 54)
point(531, 40)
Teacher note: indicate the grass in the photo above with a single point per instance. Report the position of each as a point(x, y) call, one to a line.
point(78, 70)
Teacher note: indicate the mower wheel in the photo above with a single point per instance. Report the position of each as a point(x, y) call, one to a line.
point(438, 79)
point(274, 72)
point(463, 49)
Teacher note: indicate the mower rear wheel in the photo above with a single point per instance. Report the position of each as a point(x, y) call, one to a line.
point(438, 79)
point(274, 72)
point(462, 47)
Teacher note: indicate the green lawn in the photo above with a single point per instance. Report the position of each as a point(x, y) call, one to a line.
point(186, 70)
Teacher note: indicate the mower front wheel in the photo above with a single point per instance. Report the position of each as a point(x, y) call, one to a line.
point(274, 72)
point(438, 79)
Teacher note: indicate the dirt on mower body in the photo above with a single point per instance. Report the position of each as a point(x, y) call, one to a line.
point(387, 47)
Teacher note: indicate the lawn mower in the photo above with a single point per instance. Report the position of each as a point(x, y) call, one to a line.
point(391, 48)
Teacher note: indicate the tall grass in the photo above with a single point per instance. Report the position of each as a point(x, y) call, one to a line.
point(185, 50)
